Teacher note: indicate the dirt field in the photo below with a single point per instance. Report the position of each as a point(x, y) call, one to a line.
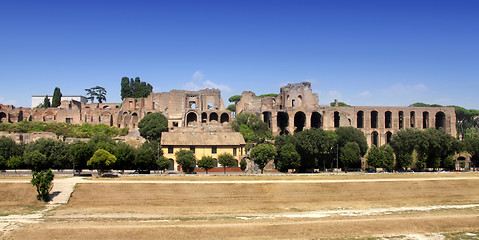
point(223, 209)
point(18, 198)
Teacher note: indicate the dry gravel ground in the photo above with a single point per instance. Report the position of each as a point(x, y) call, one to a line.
point(306, 208)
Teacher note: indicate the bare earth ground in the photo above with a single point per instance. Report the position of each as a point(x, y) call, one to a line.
point(260, 207)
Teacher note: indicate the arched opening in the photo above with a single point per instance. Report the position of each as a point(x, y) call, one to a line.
point(213, 117)
point(3, 117)
point(225, 118)
point(204, 117)
point(388, 137)
point(374, 119)
point(360, 119)
point(172, 165)
point(316, 120)
point(267, 118)
point(401, 119)
point(299, 121)
point(134, 120)
point(20, 116)
point(388, 119)
point(440, 121)
point(412, 116)
point(283, 122)
point(425, 119)
point(191, 119)
point(215, 162)
point(374, 138)
point(106, 107)
point(337, 119)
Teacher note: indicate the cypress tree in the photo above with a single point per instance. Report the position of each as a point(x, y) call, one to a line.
point(46, 102)
point(57, 97)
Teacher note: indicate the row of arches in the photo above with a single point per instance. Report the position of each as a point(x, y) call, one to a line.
point(213, 117)
point(299, 121)
point(375, 137)
point(440, 119)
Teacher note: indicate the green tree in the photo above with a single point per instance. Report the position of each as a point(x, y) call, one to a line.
point(206, 163)
point(251, 127)
point(243, 164)
point(96, 92)
point(232, 107)
point(46, 102)
point(55, 151)
point(186, 159)
point(15, 162)
point(101, 160)
point(388, 153)
point(57, 97)
point(350, 154)
point(147, 155)
point(235, 99)
point(8, 148)
point(125, 156)
point(375, 157)
point(262, 154)
point(226, 160)
point(340, 104)
point(79, 153)
point(472, 147)
point(163, 163)
point(35, 160)
point(404, 142)
point(288, 158)
point(43, 183)
point(134, 88)
point(152, 125)
point(268, 95)
point(351, 134)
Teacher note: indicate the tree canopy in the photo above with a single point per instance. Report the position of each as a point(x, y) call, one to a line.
point(152, 125)
point(251, 127)
point(186, 159)
point(206, 163)
point(134, 88)
point(235, 99)
point(96, 92)
point(101, 160)
point(46, 102)
point(262, 154)
point(57, 97)
point(226, 160)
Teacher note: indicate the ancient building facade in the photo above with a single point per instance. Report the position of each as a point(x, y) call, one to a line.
point(296, 108)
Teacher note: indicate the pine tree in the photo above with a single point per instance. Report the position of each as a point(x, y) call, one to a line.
point(57, 97)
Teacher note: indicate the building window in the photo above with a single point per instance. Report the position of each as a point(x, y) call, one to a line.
point(170, 150)
point(69, 120)
point(192, 149)
point(234, 151)
point(214, 150)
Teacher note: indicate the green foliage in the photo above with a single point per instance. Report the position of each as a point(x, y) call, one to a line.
point(79, 153)
point(472, 147)
point(134, 88)
point(243, 164)
point(232, 107)
point(226, 160)
point(57, 97)
point(268, 95)
point(147, 155)
point(288, 158)
point(8, 148)
point(96, 92)
point(152, 125)
point(235, 99)
point(55, 151)
point(15, 162)
point(186, 159)
point(349, 154)
point(125, 156)
point(46, 102)
point(351, 134)
point(84, 130)
point(43, 183)
point(375, 157)
point(262, 154)
point(163, 163)
point(340, 104)
point(251, 127)
point(3, 162)
point(388, 153)
point(403, 142)
point(101, 160)
point(206, 163)
point(35, 160)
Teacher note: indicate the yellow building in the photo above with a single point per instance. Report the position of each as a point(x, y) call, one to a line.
point(202, 144)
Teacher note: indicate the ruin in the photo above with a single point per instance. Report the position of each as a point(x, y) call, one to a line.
point(295, 109)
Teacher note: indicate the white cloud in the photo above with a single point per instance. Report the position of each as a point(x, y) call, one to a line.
point(199, 83)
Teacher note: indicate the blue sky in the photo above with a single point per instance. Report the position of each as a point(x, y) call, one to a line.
point(375, 53)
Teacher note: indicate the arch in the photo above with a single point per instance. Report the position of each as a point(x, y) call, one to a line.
point(412, 116)
point(283, 122)
point(374, 138)
point(316, 120)
point(388, 119)
point(20, 116)
point(267, 118)
point(204, 117)
point(337, 119)
point(134, 120)
point(215, 162)
point(106, 107)
point(213, 117)
point(401, 119)
point(3, 117)
point(374, 119)
point(360, 119)
point(191, 119)
point(299, 121)
point(440, 121)
point(224, 118)
point(425, 119)
point(388, 136)
point(172, 164)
